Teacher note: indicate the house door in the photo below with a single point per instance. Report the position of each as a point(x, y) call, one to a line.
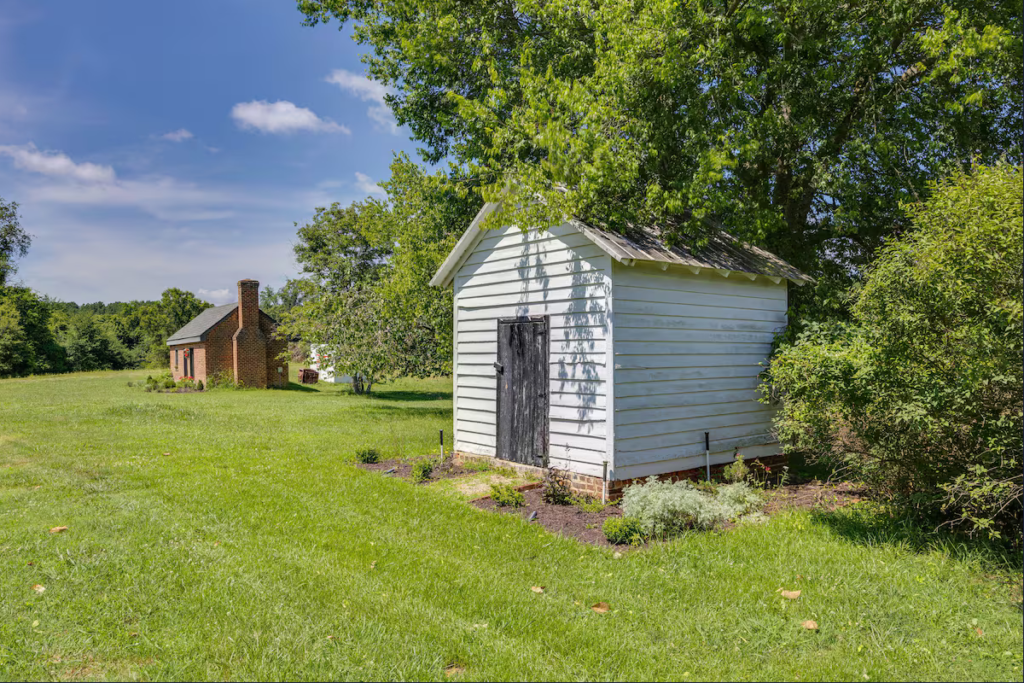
point(522, 370)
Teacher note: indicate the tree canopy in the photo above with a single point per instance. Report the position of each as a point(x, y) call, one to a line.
point(919, 394)
point(14, 241)
point(366, 302)
point(800, 125)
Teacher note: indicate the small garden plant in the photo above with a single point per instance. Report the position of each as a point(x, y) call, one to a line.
point(505, 495)
point(556, 490)
point(624, 531)
point(369, 456)
point(665, 509)
point(737, 471)
point(422, 469)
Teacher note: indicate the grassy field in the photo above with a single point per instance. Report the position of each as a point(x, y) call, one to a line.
point(226, 535)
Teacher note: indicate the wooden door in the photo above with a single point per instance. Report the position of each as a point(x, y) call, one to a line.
point(522, 369)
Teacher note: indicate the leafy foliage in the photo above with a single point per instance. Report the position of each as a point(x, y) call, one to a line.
point(422, 469)
point(664, 509)
point(555, 489)
point(799, 125)
point(920, 393)
point(506, 496)
point(14, 241)
point(368, 455)
point(366, 302)
point(27, 344)
point(623, 531)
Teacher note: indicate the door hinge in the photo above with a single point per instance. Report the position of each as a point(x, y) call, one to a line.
point(499, 368)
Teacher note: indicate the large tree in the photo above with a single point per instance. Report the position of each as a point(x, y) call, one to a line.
point(14, 241)
point(367, 304)
point(800, 125)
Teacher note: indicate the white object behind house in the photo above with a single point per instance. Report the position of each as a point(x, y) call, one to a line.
point(648, 347)
point(326, 373)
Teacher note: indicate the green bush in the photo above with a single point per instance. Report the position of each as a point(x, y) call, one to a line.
point(919, 395)
point(737, 471)
point(665, 509)
point(588, 504)
point(624, 531)
point(555, 489)
point(422, 469)
point(199, 385)
point(505, 495)
point(368, 456)
point(169, 384)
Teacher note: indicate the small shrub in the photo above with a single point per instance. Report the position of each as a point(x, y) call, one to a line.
point(555, 490)
point(737, 471)
point(422, 469)
point(588, 504)
point(199, 385)
point(623, 531)
point(169, 384)
point(150, 387)
point(665, 509)
point(505, 495)
point(131, 384)
point(369, 456)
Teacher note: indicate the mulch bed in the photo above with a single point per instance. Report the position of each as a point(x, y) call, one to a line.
point(403, 469)
point(571, 521)
point(567, 520)
point(813, 495)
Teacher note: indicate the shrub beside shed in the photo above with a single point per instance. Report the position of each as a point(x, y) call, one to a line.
point(611, 356)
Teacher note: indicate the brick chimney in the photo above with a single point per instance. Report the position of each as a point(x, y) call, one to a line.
point(249, 343)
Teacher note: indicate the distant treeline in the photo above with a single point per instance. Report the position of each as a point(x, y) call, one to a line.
point(41, 335)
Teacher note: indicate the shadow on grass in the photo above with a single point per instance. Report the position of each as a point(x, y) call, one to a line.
point(412, 395)
point(872, 524)
point(293, 386)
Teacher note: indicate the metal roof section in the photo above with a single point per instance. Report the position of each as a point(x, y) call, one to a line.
point(724, 253)
point(197, 328)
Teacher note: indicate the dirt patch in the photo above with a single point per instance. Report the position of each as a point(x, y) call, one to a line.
point(566, 520)
point(403, 469)
point(813, 495)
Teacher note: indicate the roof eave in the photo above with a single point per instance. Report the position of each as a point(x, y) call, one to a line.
point(446, 273)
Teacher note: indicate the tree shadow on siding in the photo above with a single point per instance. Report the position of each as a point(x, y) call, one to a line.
point(572, 337)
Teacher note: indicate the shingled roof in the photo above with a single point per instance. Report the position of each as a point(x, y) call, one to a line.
point(723, 253)
point(197, 328)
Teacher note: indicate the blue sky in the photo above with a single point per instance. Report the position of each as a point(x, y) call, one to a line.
point(155, 145)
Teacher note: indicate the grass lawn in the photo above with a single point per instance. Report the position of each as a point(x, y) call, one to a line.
point(227, 535)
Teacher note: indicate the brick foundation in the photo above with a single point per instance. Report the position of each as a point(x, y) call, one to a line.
point(587, 485)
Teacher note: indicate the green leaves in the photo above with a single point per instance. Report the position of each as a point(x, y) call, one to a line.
point(921, 394)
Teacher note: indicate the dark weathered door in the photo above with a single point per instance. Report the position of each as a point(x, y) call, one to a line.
point(522, 369)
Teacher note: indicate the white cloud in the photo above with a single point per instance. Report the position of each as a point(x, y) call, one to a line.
point(281, 117)
point(365, 184)
point(367, 91)
point(179, 135)
point(58, 164)
point(217, 297)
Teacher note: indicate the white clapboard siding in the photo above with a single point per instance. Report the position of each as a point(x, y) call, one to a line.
point(687, 358)
point(559, 273)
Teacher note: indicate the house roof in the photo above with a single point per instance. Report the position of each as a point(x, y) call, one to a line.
point(724, 253)
point(197, 328)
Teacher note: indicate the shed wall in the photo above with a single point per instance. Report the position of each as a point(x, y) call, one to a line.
point(687, 356)
point(558, 273)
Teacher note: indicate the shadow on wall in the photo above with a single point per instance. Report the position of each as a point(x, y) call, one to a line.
point(572, 339)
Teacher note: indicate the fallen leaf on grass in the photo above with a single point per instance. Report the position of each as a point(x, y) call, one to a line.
point(373, 565)
point(810, 625)
point(617, 556)
point(979, 632)
point(330, 637)
point(453, 670)
point(38, 589)
point(58, 529)
point(166, 453)
point(791, 595)
point(537, 589)
point(601, 607)
point(31, 563)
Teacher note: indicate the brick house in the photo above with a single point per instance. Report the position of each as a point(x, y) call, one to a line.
point(237, 339)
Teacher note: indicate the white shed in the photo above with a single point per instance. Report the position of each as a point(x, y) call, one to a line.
point(325, 370)
point(582, 349)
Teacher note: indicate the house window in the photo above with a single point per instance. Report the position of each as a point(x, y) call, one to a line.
point(175, 357)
